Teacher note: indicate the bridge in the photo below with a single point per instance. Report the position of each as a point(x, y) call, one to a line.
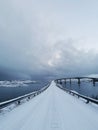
point(52, 109)
point(93, 80)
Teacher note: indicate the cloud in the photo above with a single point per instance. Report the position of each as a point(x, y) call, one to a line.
point(34, 41)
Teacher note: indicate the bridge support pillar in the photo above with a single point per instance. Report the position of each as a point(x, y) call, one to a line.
point(79, 82)
point(94, 82)
point(65, 81)
point(70, 80)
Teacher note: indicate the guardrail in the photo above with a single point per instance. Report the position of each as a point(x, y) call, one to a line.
point(18, 99)
point(88, 99)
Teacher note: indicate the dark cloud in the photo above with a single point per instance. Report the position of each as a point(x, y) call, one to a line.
point(34, 43)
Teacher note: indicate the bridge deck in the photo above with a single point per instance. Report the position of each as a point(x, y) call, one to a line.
point(54, 109)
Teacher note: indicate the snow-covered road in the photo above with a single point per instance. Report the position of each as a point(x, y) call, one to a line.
point(51, 110)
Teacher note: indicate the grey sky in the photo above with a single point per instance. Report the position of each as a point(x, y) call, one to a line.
point(49, 38)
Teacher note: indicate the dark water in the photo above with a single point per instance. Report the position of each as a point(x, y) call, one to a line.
point(7, 93)
point(85, 88)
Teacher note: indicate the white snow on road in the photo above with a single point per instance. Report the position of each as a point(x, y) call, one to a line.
point(53, 109)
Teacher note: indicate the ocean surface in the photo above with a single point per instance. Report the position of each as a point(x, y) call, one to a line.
point(86, 88)
point(12, 90)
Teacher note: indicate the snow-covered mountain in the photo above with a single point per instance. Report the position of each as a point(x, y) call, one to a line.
point(93, 75)
point(16, 83)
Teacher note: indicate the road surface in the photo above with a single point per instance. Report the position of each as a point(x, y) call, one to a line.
point(53, 109)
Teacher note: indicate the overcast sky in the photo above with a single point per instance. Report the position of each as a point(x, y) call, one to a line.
point(48, 38)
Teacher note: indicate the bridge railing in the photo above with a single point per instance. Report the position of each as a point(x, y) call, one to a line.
point(74, 93)
point(20, 98)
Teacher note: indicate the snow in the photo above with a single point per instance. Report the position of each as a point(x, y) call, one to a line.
point(53, 109)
